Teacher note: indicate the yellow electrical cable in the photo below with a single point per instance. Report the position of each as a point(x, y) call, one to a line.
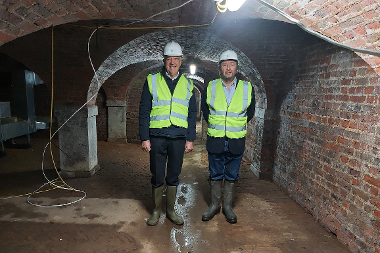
point(51, 123)
point(220, 7)
point(51, 107)
point(27, 194)
point(52, 87)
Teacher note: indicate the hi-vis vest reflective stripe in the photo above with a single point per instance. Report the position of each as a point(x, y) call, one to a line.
point(168, 109)
point(228, 121)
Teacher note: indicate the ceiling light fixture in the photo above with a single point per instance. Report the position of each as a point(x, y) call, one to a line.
point(232, 5)
point(193, 68)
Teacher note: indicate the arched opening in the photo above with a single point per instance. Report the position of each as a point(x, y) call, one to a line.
point(144, 49)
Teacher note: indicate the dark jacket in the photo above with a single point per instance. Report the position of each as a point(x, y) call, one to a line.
point(215, 144)
point(172, 131)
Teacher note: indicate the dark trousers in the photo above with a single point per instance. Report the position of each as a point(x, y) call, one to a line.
point(224, 165)
point(166, 153)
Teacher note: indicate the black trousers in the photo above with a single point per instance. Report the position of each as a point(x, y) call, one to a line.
point(166, 153)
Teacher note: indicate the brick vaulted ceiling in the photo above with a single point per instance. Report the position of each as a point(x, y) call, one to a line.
point(351, 22)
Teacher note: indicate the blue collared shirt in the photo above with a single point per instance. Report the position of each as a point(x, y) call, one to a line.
point(229, 93)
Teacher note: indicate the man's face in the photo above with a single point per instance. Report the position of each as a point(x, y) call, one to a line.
point(172, 64)
point(228, 70)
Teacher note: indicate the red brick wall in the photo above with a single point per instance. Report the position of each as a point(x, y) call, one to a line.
point(272, 53)
point(327, 155)
point(353, 23)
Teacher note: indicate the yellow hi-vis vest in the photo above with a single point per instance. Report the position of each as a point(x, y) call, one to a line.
point(168, 109)
point(228, 121)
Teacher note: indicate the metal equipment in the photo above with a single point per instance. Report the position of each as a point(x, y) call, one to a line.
point(21, 121)
point(11, 127)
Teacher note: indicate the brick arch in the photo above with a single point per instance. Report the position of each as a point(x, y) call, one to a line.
point(117, 85)
point(353, 23)
point(148, 48)
point(19, 18)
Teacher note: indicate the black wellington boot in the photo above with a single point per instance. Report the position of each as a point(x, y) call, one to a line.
point(171, 196)
point(157, 199)
point(228, 195)
point(216, 193)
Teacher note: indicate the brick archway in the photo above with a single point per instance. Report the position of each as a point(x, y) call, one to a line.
point(146, 48)
point(353, 23)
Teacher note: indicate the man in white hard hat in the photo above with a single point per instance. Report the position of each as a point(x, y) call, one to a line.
point(167, 119)
point(228, 104)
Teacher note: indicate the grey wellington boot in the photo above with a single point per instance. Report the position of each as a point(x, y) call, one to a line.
point(228, 195)
point(157, 199)
point(171, 196)
point(216, 193)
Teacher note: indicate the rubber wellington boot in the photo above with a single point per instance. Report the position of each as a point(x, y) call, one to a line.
point(157, 200)
point(171, 196)
point(228, 195)
point(216, 193)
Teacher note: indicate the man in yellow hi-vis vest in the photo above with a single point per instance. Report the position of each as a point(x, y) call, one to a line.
point(167, 119)
point(228, 104)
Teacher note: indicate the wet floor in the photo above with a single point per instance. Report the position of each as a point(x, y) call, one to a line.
point(112, 216)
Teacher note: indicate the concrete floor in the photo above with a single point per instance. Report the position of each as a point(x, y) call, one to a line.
point(112, 217)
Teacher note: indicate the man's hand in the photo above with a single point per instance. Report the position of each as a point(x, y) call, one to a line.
point(188, 146)
point(145, 145)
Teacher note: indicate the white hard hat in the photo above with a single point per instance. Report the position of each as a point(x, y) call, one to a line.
point(228, 55)
point(173, 49)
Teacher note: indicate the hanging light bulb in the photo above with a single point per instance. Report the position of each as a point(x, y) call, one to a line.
point(193, 68)
point(234, 5)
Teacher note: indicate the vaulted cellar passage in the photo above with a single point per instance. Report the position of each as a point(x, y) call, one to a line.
point(310, 178)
